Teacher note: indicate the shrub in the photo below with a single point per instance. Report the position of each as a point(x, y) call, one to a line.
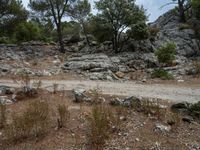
point(33, 122)
point(153, 31)
point(55, 88)
point(166, 53)
point(99, 124)
point(139, 31)
point(174, 118)
point(153, 108)
point(195, 109)
point(2, 116)
point(64, 116)
point(28, 31)
point(160, 73)
point(184, 26)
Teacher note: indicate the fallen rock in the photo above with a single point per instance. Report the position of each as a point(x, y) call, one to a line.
point(127, 102)
point(5, 100)
point(80, 96)
point(162, 128)
point(120, 74)
point(24, 93)
point(180, 107)
point(6, 90)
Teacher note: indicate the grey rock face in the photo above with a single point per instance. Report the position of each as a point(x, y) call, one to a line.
point(187, 43)
point(89, 62)
point(6, 90)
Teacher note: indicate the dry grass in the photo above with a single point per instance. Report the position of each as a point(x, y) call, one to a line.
point(174, 119)
point(153, 108)
point(55, 88)
point(33, 122)
point(2, 116)
point(64, 116)
point(100, 125)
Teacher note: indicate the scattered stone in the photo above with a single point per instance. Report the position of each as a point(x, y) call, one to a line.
point(162, 128)
point(80, 96)
point(120, 74)
point(24, 93)
point(5, 100)
point(188, 119)
point(6, 90)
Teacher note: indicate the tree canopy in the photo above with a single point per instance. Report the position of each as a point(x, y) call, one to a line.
point(120, 15)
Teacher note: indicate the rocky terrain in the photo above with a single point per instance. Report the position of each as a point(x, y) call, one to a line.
point(140, 112)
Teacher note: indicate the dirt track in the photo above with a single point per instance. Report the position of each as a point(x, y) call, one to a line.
point(163, 91)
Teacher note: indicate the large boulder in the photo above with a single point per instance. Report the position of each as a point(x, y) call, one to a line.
point(91, 62)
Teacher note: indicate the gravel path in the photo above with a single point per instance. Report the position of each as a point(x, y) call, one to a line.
point(163, 91)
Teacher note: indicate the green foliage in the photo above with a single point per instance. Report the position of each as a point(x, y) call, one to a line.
point(12, 13)
point(160, 73)
point(196, 8)
point(71, 28)
point(28, 31)
point(99, 29)
point(195, 109)
point(166, 53)
point(119, 15)
point(139, 31)
point(80, 12)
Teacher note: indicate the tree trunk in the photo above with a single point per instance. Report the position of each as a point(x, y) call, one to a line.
point(85, 33)
point(181, 11)
point(60, 38)
point(115, 43)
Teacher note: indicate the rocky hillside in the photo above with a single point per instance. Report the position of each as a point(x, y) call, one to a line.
point(98, 62)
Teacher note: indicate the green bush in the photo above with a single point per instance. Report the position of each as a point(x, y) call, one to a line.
point(28, 31)
point(160, 73)
point(166, 53)
point(139, 31)
point(195, 109)
point(100, 30)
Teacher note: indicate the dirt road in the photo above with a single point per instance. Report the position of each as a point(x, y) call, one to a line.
point(163, 91)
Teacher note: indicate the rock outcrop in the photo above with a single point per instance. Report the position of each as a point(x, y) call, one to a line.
point(170, 30)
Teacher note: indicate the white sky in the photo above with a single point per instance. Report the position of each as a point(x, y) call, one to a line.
point(152, 6)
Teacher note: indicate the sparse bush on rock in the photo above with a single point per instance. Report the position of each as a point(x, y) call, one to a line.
point(160, 73)
point(166, 53)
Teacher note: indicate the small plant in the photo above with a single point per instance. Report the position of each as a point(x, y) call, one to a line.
point(33, 122)
point(184, 26)
point(195, 109)
point(154, 31)
point(2, 116)
point(25, 79)
point(37, 84)
point(152, 108)
point(166, 53)
point(64, 116)
point(160, 73)
point(96, 95)
point(99, 124)
point(55, 88)
point(174, 119)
